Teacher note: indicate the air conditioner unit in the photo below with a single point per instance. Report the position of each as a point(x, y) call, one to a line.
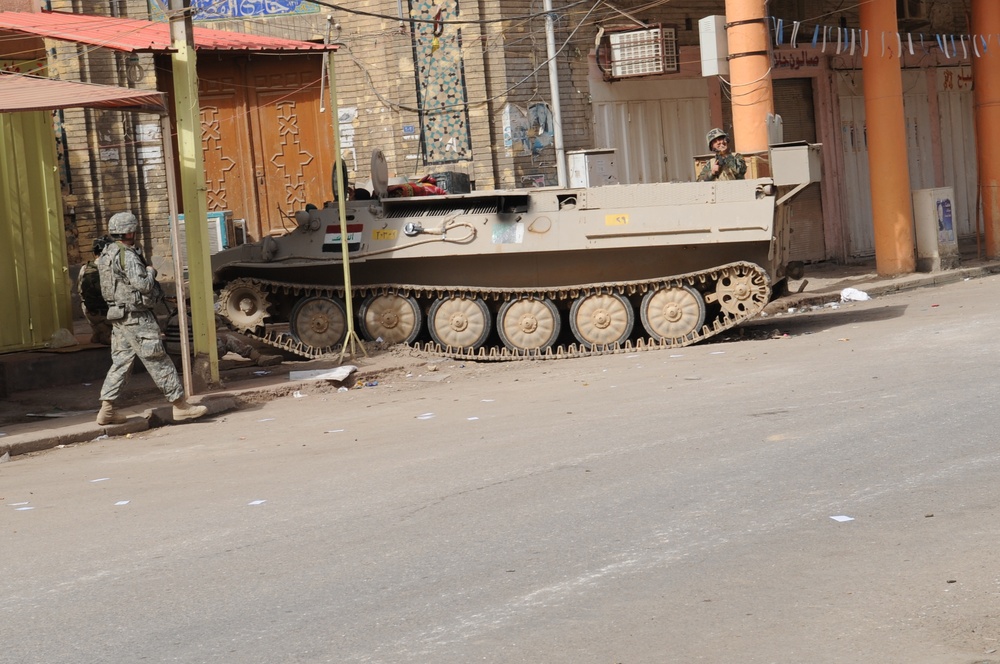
point(220, 230)
point(221, 233)
point(646, 52)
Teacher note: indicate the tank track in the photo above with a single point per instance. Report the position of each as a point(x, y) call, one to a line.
point(723, 318)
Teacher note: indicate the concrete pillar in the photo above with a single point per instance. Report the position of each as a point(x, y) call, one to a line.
point(892, 208)
point(749, 73)
point(986, 78)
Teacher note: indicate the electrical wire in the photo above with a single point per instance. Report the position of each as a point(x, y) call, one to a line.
point(401, 19)
point(449, 108)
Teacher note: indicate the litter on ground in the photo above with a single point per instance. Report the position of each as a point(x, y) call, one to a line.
point(853, 295)
point(339, 374)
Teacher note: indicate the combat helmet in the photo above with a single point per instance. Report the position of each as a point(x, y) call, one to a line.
point(123, 223)
point(714, 134)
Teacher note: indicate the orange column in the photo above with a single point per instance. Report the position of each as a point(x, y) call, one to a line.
point(892, 208)
point(749, 72)
point(986, 75)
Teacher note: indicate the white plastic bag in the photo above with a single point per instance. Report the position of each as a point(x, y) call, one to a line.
point(853, 295)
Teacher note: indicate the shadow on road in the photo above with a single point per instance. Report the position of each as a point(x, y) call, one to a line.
point(810, 322)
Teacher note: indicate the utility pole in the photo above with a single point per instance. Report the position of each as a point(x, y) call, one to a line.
point(193, 191)
point(550, 47)
point(749, 72)
point(892, 207)
point(351, 339)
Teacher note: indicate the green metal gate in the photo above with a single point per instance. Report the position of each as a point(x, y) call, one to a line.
point(34, 277)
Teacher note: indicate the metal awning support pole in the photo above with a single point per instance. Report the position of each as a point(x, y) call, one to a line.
point(168, 163)
point(885, 118)
point(351, 339)
point(550, 47)
point(986, 101)
point(193, 188)
point(750, 72)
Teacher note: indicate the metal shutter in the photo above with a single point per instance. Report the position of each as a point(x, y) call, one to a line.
point(793, 101)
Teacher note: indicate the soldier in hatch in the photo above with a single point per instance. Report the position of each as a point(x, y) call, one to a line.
point(725, 165)
point(130, 289)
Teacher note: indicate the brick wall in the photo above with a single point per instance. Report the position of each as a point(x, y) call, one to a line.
point(376, 79)
point(114, 161)
point(111, 160)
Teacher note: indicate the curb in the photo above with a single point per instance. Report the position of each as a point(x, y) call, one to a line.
point(906, 283)
point(151, 418)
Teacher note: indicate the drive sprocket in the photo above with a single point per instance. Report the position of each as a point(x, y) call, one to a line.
point(742, 291)
point(243, 302)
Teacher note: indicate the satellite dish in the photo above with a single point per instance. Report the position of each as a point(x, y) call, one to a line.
point(380, 174)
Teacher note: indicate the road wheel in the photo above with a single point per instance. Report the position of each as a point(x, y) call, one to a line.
point(459, 322)
point(393, 318)
point(528, 324)
point(319, 322)
point(672, 313)
point(601, 319)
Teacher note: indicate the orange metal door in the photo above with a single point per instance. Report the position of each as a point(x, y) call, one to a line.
point(268, 148)
point(293, 140)
point(225, 136)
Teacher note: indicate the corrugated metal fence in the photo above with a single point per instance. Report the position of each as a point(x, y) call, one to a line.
point(34, 277)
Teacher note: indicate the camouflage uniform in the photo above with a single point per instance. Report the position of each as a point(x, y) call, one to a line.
point(95, 309)
point(226, 341)
point(732, 167)
point(136, 332)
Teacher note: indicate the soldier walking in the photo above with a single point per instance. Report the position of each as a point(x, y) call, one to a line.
point(129, 286)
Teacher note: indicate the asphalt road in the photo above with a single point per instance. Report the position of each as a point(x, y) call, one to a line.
point(655, 507)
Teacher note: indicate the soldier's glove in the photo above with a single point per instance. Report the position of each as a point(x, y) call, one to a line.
point(151, 271)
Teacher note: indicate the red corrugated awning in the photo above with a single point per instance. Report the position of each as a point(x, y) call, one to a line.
point(131, 35)
point(19, 92)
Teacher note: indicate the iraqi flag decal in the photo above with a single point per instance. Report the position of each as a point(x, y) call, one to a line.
point(331, 240)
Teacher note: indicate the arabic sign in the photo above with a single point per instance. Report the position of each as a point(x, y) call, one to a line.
point(955, 79)
point(214, 10)
point(794, 61)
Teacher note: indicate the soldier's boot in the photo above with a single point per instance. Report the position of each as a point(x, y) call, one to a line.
point(108, 414)
point(263, 360)
point(185, 411)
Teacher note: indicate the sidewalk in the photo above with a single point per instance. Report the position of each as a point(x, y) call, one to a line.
point(43, 415)
point(824, 282)
point(40, 419)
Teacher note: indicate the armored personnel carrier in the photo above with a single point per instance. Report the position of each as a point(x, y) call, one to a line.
point(546, 272)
